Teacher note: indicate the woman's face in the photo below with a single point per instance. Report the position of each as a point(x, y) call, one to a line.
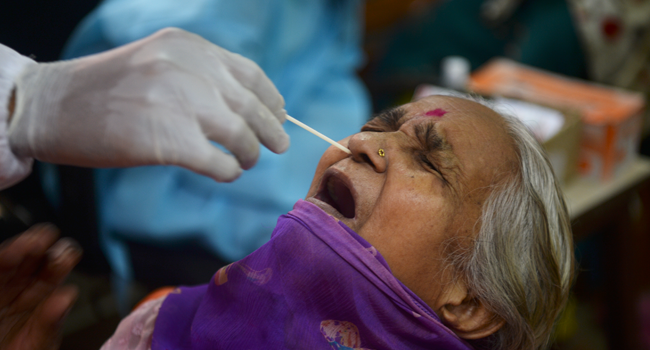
point(422, 199)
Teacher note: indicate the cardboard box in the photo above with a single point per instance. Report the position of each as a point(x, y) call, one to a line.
point(611, 117)
point(563, 149)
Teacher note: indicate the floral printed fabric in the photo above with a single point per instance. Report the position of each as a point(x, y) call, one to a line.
point(136, 330)
point(315, 285)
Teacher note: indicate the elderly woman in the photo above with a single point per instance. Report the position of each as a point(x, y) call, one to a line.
point(444, 229)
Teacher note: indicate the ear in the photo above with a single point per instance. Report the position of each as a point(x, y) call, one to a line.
point(466, 315)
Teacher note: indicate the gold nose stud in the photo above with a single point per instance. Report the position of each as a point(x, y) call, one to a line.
point(381, 152)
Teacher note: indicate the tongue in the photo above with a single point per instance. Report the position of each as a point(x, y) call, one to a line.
point(343, 198)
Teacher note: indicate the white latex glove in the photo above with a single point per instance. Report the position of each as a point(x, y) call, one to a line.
point(12, 168)
point(155, 101)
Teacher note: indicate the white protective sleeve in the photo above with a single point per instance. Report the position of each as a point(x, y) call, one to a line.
point(12, 168)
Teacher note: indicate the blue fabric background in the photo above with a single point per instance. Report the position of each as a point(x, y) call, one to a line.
point(309, 49)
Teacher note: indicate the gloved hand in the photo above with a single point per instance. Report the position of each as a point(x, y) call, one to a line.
point(158, 100)
point(12, 168)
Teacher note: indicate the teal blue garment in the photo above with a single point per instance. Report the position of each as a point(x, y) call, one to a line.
point(540, 33)
point(309, 48)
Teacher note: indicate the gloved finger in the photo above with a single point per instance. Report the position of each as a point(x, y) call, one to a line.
point(253, 78)
point(62, 258)
point(188, 95)
point(196, 54)
point(21, 257)
point(258, 117)
point(239, 93)
point(230, 130)
point(212, 162)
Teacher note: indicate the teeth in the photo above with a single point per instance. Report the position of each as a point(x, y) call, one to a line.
point(331, 191)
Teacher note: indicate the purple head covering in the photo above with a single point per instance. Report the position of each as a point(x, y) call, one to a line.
point(315, 285)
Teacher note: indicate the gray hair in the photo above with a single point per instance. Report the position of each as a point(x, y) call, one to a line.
point(521, 263)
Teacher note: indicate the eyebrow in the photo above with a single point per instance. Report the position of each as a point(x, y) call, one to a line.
point(428, 135)
point(392, 118)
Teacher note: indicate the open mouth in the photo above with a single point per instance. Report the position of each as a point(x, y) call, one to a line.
point(335, 192)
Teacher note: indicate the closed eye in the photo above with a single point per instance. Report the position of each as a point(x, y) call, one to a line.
point(431, 145)
point(424, 158)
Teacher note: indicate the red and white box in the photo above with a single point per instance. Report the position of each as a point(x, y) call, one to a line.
point(611, 117)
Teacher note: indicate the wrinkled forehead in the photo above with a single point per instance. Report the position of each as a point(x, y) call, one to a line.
point(478, 135)
point(441, 106)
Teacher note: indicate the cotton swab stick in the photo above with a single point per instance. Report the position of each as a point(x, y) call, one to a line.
point(302, 125)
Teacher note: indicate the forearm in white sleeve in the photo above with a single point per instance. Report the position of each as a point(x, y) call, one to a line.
point(12, 168)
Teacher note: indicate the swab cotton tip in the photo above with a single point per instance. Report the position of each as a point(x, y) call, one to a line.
point(304, 126)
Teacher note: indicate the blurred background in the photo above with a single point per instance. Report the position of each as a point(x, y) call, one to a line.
point(576, 71)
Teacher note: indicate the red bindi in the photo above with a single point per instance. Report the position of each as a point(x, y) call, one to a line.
point(438, 112)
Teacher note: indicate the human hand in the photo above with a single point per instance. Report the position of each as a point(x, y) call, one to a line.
point(33, 303)
point(158, 100)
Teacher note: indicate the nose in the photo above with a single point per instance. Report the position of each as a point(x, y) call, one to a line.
point(365, 149)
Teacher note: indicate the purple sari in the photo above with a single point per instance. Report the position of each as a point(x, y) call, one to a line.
point(315, 285)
